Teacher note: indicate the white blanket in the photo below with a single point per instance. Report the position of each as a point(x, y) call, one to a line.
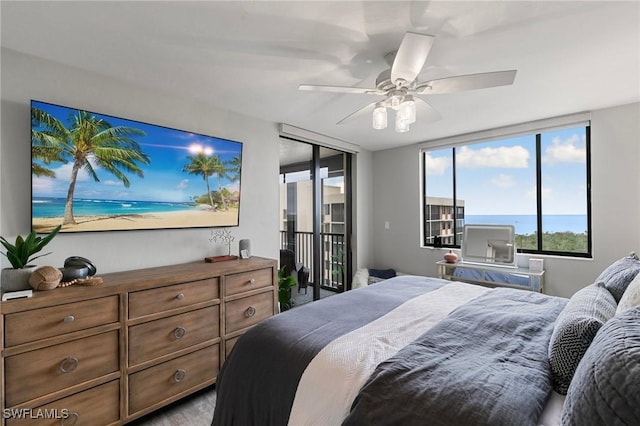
point(334, 377)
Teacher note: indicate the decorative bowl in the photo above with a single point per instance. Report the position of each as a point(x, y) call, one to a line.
point(75, 261)
point(70, 273)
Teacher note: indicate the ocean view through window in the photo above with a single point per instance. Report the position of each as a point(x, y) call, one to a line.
point(526, 224)
point(538, 182)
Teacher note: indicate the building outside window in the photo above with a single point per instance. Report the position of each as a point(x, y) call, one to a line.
point(333, 220)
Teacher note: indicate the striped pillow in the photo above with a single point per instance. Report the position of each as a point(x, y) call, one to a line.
point(576, 326)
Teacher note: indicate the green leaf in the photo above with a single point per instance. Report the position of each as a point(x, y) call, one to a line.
point(20, 253)
point(15, 260)
point(6, 243)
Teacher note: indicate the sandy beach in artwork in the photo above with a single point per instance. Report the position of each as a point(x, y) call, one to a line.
point(181, 219)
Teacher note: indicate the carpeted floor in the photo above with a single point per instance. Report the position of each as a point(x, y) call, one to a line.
point(300, 298)
point(194, 410)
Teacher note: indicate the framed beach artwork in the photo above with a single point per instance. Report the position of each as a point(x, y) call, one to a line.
point(94, 172)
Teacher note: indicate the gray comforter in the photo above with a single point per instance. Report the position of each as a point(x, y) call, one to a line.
point(471, 365)
point(485, 364)
point(258, 382)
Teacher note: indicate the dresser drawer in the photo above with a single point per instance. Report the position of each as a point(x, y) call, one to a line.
point(36, 373)
point(238, 283)
point(164, 336)
point(29, 326)
point(155, 384)
point(228, 345)
point(248, 311)
point(99, 405)
point(161, 299)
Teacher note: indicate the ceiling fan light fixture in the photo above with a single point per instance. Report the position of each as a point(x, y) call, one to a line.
point(379, 117)
point(407, 110)
point(402, 126)
point(399, 82)
point(395, 100)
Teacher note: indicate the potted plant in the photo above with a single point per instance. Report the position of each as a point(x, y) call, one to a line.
point(20, 254)
point(285, 283)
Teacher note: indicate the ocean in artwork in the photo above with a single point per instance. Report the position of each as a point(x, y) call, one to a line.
point(45, 207)
point(526, 224)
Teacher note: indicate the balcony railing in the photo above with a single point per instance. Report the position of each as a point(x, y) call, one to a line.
point(333, 269)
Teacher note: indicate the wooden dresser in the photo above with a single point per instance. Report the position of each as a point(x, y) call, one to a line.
point(145, 338)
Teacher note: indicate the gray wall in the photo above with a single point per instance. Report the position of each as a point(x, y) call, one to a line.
point(363, 206)
point(24, 78)
point(393, 173)
point(615, 153)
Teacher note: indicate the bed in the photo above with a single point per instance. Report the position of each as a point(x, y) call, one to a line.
point(412, 348)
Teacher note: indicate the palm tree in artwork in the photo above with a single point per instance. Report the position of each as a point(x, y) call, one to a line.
point(232, 170)
point(223, 171)
point(234, 167)
point(46, 132)
point(206, 166)
point(90, 143)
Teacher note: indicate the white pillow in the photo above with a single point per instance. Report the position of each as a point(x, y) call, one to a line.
point(360, 278)
point(631, 296)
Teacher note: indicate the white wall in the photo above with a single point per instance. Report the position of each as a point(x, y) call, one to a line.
point(615, 192)
point(24, 78)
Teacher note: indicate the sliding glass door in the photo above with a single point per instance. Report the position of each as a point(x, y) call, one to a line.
point(315, 215)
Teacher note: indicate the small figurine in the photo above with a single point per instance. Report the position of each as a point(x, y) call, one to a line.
point(222, 235)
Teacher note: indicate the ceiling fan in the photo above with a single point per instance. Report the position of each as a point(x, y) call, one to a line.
point(399, 85)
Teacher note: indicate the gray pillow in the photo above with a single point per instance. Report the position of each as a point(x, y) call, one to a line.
point(606, 386)
point(574, 330)
point(617, 276)
point(631, 296)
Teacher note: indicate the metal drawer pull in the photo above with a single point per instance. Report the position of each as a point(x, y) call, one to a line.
point(251, 311)
point(252, 281)
point(69, 319)
point(179, 376)
point(69, 364)
point(180, 296)
point(179, 332)
point(72, 419)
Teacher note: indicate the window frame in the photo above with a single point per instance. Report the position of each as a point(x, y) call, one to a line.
point(495, 135)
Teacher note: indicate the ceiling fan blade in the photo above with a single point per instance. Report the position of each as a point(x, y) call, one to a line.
point(359, 113)
point(411, 56)
point(340, 89)
point(425, 113)
point(467, 82)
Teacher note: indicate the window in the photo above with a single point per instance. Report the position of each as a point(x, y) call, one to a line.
point(538, 182)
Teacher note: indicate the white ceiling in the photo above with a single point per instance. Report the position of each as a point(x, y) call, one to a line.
point(249, 57)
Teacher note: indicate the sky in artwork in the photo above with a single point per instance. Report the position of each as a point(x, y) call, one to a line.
point(163, 179)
